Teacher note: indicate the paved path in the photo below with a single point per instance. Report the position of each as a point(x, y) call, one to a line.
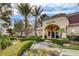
point(69, 52)
point(47, 43)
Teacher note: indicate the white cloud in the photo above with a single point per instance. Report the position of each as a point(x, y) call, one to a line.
point(15, 12)
point(42, 2)
point(54, 8)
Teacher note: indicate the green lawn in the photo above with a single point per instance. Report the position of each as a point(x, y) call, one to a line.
point(16, 49)
point(74, 47)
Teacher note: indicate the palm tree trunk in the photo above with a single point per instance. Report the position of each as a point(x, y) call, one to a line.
point(35, 27)
point(35, 31)
point(26, 27)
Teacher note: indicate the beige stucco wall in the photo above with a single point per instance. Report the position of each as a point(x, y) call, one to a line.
point(62, 22)
point(73, 29)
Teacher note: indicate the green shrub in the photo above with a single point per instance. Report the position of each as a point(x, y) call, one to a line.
point(5, 41)
point(73, 38)
point(37, 39)
point(60, 41)
point(12, 38)
point(17, 49)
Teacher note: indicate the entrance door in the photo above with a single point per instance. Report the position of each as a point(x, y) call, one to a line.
point(57, 35)
point(52, 35)
point(48, 33)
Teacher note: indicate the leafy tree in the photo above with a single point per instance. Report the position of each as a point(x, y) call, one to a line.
point(6, 12)
point(19, 27)
point(10, 31)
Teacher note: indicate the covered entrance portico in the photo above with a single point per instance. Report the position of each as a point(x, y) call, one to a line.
point(52, 27)
point(51, 31)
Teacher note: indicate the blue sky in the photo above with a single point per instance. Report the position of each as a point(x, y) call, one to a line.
point(51, 9)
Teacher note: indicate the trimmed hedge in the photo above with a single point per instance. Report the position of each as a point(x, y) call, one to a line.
point(37, 39)
point(73, 38)
point(17, 49)
point(60, 41)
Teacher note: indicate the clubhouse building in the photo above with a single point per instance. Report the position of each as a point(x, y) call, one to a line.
point(51, 25)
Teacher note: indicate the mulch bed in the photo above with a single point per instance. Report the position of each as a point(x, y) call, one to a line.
point(72, 43)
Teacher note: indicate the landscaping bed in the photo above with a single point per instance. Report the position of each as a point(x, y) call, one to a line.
point(60, 41)
point(66, 44)
point(42, 52)
point(17, 49)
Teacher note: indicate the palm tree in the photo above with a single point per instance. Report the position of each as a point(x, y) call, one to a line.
point(24, 9)
point(36, 12)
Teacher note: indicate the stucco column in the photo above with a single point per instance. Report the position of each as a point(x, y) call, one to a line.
point(54, 34)
point(43, 33)
point(66, 30)
point(64, 33)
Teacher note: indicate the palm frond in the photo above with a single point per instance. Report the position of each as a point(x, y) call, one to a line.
point(24, 8)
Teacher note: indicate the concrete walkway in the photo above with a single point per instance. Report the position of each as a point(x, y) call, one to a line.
point(46, 45)
point(69, 52)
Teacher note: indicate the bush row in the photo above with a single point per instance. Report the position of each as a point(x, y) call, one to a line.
point(73, 38)
point(38, 39)
point(60, 41)
point(17, 49)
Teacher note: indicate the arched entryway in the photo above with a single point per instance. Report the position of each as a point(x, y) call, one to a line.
point(51, 31)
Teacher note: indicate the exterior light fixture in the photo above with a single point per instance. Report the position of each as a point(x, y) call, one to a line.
point(73, 30)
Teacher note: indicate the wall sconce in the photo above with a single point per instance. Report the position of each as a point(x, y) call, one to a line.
point(73, 30)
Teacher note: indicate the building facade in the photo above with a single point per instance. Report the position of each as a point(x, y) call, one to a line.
point(52, 25)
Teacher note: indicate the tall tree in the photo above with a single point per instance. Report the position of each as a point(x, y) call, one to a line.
point(25, 9)
point(19, 27)
point(3, 4)
point(36, 12)
point(6, 12)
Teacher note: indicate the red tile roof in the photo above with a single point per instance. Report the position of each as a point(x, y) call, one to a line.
point(74, 18)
